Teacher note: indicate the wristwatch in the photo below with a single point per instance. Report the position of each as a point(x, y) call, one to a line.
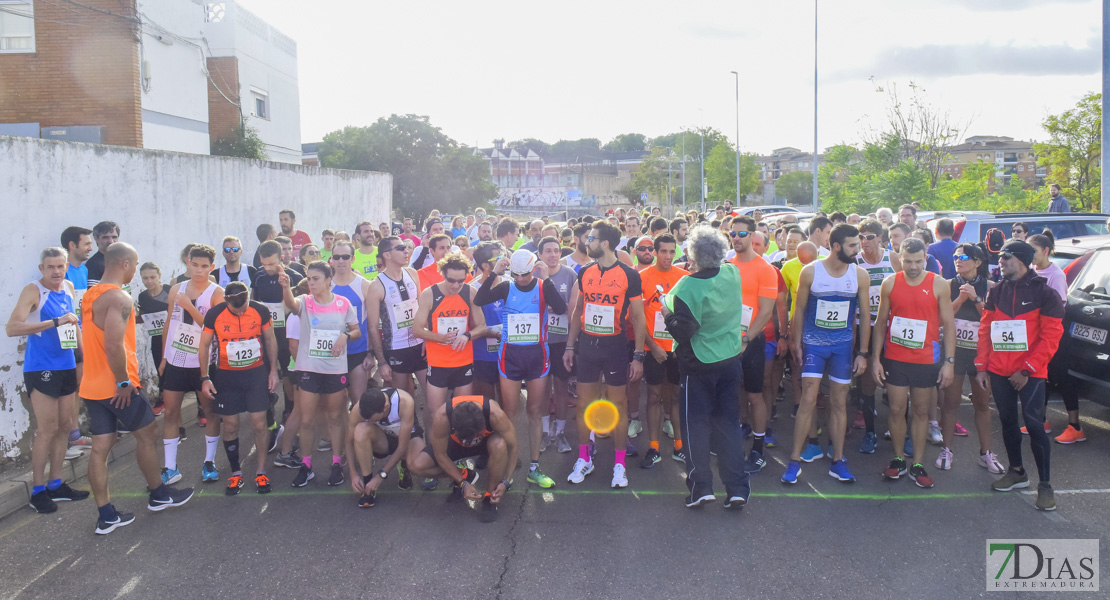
point(1025, 373)
point(638, 356)
point(123, 385)
point(206, 378)
point(950, 360)
point(508, 484)
point(383, 474)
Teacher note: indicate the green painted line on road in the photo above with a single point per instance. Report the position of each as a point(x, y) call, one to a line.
point(625, 492)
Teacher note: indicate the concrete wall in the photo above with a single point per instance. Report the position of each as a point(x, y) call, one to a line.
point(162, 201)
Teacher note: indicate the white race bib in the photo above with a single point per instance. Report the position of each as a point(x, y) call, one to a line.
point(524, 328)
point(277, 313)
point(78, 295)
point(600, 319)
point(493, 343)
point(67, 335)
point(403, 313)
point(908, 333)
point(659, 331)
point(874, 295)
point(154, 323)
point(244, 353)
point(557, 324)
point(1009, 336)
point(446, 325)
point(321, 342)
point(745, 317)
point(967, 334)
point(832, 315)
point(186, 338)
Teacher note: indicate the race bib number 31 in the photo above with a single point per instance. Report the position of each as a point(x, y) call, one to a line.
point(557, 324)
point(1009, 336)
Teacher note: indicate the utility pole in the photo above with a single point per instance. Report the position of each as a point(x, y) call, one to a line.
point(816, 201)
point(683, 168)
point(737, 138)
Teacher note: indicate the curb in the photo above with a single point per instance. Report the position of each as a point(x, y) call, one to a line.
point(15, 491)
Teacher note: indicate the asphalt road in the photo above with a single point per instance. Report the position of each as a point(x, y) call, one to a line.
point(818, 539)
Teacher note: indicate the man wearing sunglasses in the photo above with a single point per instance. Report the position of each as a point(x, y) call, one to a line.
point(523, 353)
point(246, 372)
point(233, 269)
point(390, 312)
point(879, 263)
point(429, 275)
point(1019, 332)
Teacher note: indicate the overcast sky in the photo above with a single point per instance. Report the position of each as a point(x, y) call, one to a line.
point(491, 69)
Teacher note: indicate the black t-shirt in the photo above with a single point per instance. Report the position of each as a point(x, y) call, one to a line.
point(967, 310)
point(182, 278)
point(95, 265)
point(151, 304)
point(298, 267)
point(265, 288)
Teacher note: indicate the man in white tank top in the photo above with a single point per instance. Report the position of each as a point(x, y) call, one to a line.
point(390, 309)
point(179, 372)
point(233, 269)
point(380, 425)
point(879, 263)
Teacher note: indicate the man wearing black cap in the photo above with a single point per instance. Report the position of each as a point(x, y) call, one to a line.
point(246, 373)
point(1019, 333)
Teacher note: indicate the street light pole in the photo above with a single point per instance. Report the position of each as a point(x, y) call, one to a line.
point(702, 132)
point(683, 168)
point(737, 138)
point(816, 202)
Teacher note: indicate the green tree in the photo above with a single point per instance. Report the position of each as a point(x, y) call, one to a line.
point(1073, 153)
point(720, 173)
point(796, 187)
point(584, 146)
point(429, 168)
point(627, 142)
point(538, 146)
point(244, 142)
point(650, 177)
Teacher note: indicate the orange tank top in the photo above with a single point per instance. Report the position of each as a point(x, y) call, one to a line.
point(98, 382)
point(449, 313)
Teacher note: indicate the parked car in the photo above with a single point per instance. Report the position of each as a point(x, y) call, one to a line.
point(973, 226)
point(1072, 254)
point(766, 210)
point(1087, 326)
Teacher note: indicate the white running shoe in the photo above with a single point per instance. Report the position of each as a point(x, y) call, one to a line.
point(990, 462)
point(634, 428)
point(580, 471)
point(944, 461)
point(619, 479)
point(934, 434)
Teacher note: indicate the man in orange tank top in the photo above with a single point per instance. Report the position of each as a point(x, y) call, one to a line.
point(111, 390)
point(913, 305)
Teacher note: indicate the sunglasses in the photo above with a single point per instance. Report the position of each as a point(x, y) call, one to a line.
point(231, 249)
point(645, 248)
point(868, 236)
point(455, 281)
point(963, 257)
point(740, 234)
point(1006, 255)
point(312, 253)
point(341, 256)
point(590, 238)
point(400, 248)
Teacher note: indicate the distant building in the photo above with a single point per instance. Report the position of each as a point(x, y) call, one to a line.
point(1010, 157)
point(785, 160)
point(162, 74)
point(310, 154)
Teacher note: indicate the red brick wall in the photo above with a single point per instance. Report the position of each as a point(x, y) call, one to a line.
point(86, 73)
point(223, 116)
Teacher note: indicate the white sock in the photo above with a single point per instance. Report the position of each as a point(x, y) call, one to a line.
point(211, 443)
point(170, 448)
point(592, 438)
point(546, 420)
point(560, 424)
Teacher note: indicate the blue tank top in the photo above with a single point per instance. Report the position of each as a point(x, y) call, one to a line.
point(517, 322)
point(79, 277)
point(44, 349)
point(831, 310)
point(482, 347)
point(355, 296)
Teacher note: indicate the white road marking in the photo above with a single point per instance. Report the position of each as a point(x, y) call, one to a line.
point(1086, 491)
point(548, 497)
point(265, 505)
point(634, 494)
point(37, 577)
point(74, 563)
point(133, 548)
point(128, 587)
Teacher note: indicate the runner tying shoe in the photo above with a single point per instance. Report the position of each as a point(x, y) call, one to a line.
point(913, 304)
point(380, 426)
point(245, 375)
point(468, 427)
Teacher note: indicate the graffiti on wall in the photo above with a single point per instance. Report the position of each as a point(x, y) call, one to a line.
point(541, 198)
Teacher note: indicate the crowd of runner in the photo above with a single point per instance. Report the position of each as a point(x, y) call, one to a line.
point(483, 314)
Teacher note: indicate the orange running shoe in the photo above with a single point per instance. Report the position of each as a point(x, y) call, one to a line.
point(263, 483)
point(1047, 429)
point(1071, 435)
point(234, 484)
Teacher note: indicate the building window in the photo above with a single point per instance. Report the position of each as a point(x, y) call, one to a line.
point(17, 26)
point(1021, 167)
point(261, 103)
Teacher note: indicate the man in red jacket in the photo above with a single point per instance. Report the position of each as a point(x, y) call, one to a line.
point(1018, 334)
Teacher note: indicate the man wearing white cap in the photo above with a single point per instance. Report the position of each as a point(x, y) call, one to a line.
point(523, 355)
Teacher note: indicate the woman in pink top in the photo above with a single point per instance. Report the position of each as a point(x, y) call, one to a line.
point(1045, 245)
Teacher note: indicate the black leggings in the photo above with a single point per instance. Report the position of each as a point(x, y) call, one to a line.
point(1065, 383)
point(1031, 396)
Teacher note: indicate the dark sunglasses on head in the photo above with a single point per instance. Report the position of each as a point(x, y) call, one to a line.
point(868, 236)
point(455, 281)
point(231, 249)
point(342, 256)
point(1006, 255)
point(645, 248)
point(740, 234)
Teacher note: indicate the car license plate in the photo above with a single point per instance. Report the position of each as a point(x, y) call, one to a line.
point(1086, 332)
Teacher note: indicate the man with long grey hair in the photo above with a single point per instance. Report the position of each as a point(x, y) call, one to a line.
point(700, 314)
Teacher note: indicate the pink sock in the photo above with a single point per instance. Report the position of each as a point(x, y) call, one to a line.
point(307, 462)
point(620, 457)
point(336, 460)
point(584, 452)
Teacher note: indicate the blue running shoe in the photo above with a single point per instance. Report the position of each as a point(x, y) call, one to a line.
point(769, 438)
point(907, 448)
point(208, 472)
point(792, 471)
point(869, 442)
point(170, 476)
point(755, 462)
point(812, 453)
point(839, 471)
